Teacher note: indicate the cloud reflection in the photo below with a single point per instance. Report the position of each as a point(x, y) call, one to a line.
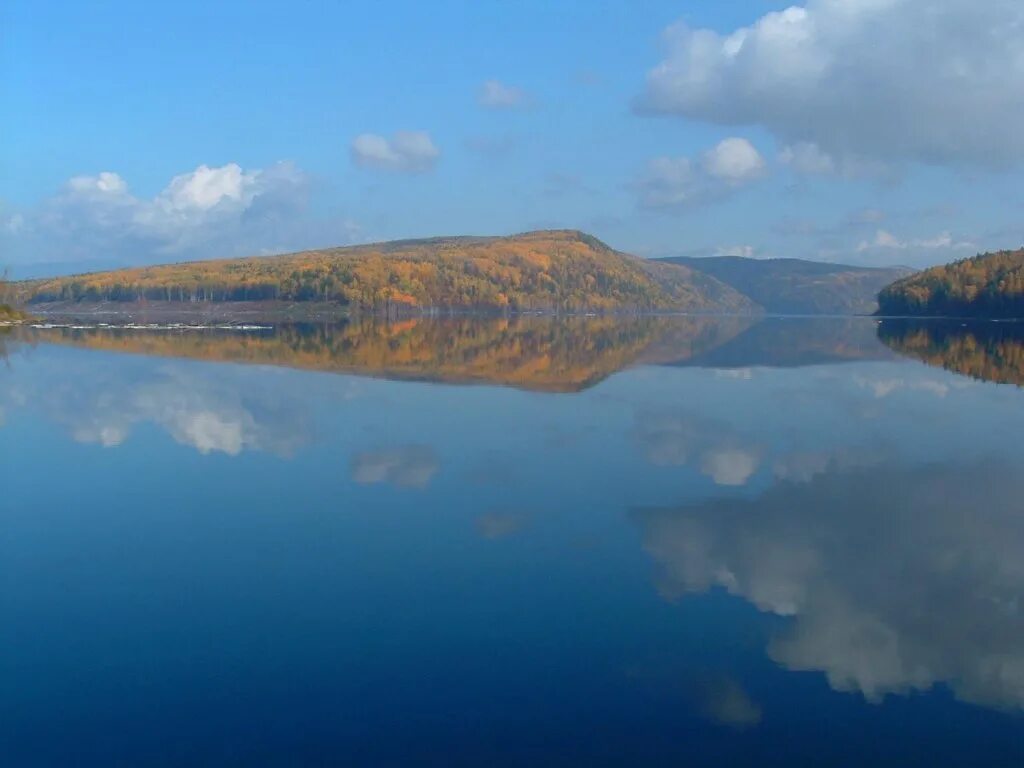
point(409, 466)
point(895, 580)
point(204, 409)
point(718, 451)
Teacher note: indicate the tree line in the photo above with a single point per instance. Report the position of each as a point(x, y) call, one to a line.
point(987, 285)
point(561, 271)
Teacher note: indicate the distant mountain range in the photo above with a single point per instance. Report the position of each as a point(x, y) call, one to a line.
point(796, 286)
point(990, 285)
point(546, 271)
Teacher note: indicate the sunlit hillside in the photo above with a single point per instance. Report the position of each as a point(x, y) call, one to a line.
point(989, 285)
point(550, 270)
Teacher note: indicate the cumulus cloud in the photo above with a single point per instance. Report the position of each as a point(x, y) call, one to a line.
point(494, 94)
point(404, 152)
point(410, 466)
point(734, 161)
point(210, 211)
point(894, 580)
point(679, 182)
point(853, 81)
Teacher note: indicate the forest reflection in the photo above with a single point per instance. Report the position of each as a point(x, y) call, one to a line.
point(566, 354)
point(988, 351)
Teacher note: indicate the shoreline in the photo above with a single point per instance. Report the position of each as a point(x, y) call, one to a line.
point(266, 311)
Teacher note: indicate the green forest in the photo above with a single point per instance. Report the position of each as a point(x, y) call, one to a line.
point(988, 285)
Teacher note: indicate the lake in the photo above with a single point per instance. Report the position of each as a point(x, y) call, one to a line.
point(588, 541)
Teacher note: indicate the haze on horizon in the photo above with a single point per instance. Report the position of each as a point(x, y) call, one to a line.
point(872, 132)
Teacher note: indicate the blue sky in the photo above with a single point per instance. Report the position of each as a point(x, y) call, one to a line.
point(845, 130)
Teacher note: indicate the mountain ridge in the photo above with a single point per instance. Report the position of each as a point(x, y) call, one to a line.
point(798, 286)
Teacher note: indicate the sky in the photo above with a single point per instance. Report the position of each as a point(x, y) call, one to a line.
point(876, 132)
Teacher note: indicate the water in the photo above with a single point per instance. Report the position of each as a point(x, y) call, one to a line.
point(635, 542)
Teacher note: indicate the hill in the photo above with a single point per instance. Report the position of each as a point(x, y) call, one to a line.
point(796, 286)
point(561, 270)
point(989, 285)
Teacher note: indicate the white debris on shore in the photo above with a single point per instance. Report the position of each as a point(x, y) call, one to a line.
point(153, 327)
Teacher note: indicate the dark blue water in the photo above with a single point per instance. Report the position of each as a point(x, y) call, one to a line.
point(780, 544)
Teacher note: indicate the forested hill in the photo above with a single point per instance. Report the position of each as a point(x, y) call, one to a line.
point(796, 286)
point(560, 270)
point(989, 285)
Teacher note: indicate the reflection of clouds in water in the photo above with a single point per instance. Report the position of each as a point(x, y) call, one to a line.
point(672, 440)
point(729, 466)
point(198, 408)
point(498, 525)
point(895, 581)
point(804, 466)
point(410, 466)
point(884, 387)
point(743, 374)
point(726, 702)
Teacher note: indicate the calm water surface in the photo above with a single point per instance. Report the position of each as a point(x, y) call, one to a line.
point(588, 542)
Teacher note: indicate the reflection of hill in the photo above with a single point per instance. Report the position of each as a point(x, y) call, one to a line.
point(986, 351)
point(557, 355)
point(791, 342)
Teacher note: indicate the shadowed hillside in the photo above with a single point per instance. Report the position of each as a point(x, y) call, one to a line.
point(555, 271)
point(798, 287)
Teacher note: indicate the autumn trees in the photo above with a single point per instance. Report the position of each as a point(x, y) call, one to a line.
point(551, 271)
point(989, 285)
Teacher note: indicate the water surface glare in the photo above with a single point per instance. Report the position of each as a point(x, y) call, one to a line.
point(588, 541)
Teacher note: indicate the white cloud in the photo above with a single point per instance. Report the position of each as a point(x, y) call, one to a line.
point(679, 182)
point(840, 81)
point(106, 183)
point(807, 158)
point(886, 240)
point(404, 152)
point(208, 212)
point(734, 160)
point(205, 188)
point(494, 94)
